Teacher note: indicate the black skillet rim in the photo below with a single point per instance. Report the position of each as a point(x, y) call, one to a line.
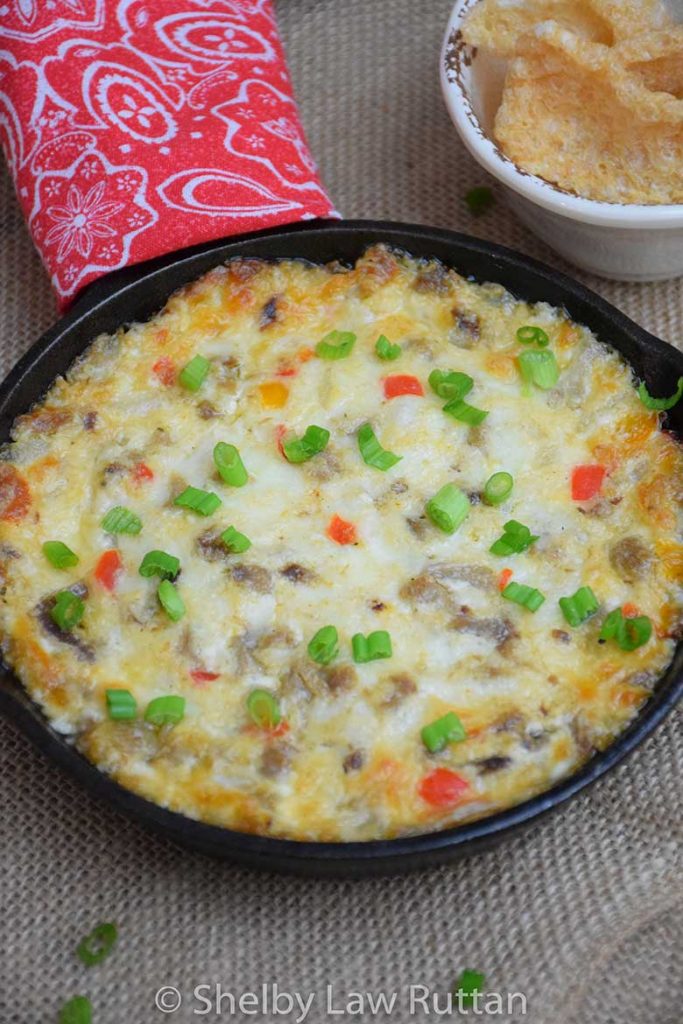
point(164, 275)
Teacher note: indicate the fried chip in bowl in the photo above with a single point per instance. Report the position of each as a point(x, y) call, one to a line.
point(498, 25)
point(574, 114)
point(657, 59)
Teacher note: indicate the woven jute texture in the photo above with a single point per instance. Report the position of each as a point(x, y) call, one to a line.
point(581, 914)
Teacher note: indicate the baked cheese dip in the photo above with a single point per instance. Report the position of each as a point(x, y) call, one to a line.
point(337, 553)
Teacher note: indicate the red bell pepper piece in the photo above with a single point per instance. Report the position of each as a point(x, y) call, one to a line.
point(341, 531)
point(199, 676)
point(164, 368)
point(142, 472)
point(443, 788)
point(15, 496)
point(587, 481)
point(504, 578)
point(108, 568)
point(402, 384)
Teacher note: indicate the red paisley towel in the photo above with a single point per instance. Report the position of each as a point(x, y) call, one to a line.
point(136, 127)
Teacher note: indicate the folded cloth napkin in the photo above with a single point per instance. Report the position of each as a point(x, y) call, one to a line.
point(134, 128)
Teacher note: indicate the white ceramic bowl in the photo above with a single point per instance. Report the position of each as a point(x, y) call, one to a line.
point(620, 241)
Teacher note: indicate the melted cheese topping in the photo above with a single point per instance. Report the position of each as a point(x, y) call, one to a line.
point(535, 696)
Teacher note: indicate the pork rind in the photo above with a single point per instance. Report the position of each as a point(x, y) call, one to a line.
point(656, 58)
point(574, 113)
point(498, 25)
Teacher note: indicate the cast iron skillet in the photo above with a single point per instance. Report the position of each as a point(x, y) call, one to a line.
point(138, 293)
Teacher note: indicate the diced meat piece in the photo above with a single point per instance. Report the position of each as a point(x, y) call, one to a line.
point(631, 558)
point(43, 420)
point(400, 685)
point(488, 765)
point(210, 546)
point(276, 759)
point(500, 631)
point(112, 470)
point(423, 589)
point(242, 270)
point(581, 732)
point(561, 635)
point(433, 279)
point(269, 313)
point(305, 679)
point(207, 410)
point(69, 637)
point(90, 420)
point(253, 577)
point(511, 723)
point(353, 761)
point(340, 677)
point(466, 330)
point(479, 576)
point(176, 485)
point(296, 573)
point(375, 268)
point(323, 467)
point(418, 525)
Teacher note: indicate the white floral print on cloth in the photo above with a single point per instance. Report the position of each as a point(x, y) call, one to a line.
point(136, 127)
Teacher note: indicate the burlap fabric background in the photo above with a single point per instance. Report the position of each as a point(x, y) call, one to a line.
point(582, 914)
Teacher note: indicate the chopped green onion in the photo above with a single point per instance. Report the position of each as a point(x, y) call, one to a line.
point(448, 509)
point(264, 709)
point(158, 563)
point(468, 985)
point(539, 368)
point(529, 335)
point(372, 452)
point(59, 555)
point(515, 539)
point(661, 404)
point(121, 704)
point(528, 597)
point(228, 462)
point(450, 384)
point(121, 520)
point(77, 1011)
point(97, 945)
point(581, 606)
point(385, 350)
point(336, 345)
point(165, 710)
point(448, 729)
point(194, 373)
point(170, 600)
point(497, 488)
point(371, 647)
point(628, 633)
point(204, 503)
point(460, 410)
point(323, 648)
point(479, 200)
point(235, 541)
point(313, 441)
point(67, 610)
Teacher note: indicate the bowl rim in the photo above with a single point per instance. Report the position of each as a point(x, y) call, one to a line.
point(542, 193)
point(136, 293)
